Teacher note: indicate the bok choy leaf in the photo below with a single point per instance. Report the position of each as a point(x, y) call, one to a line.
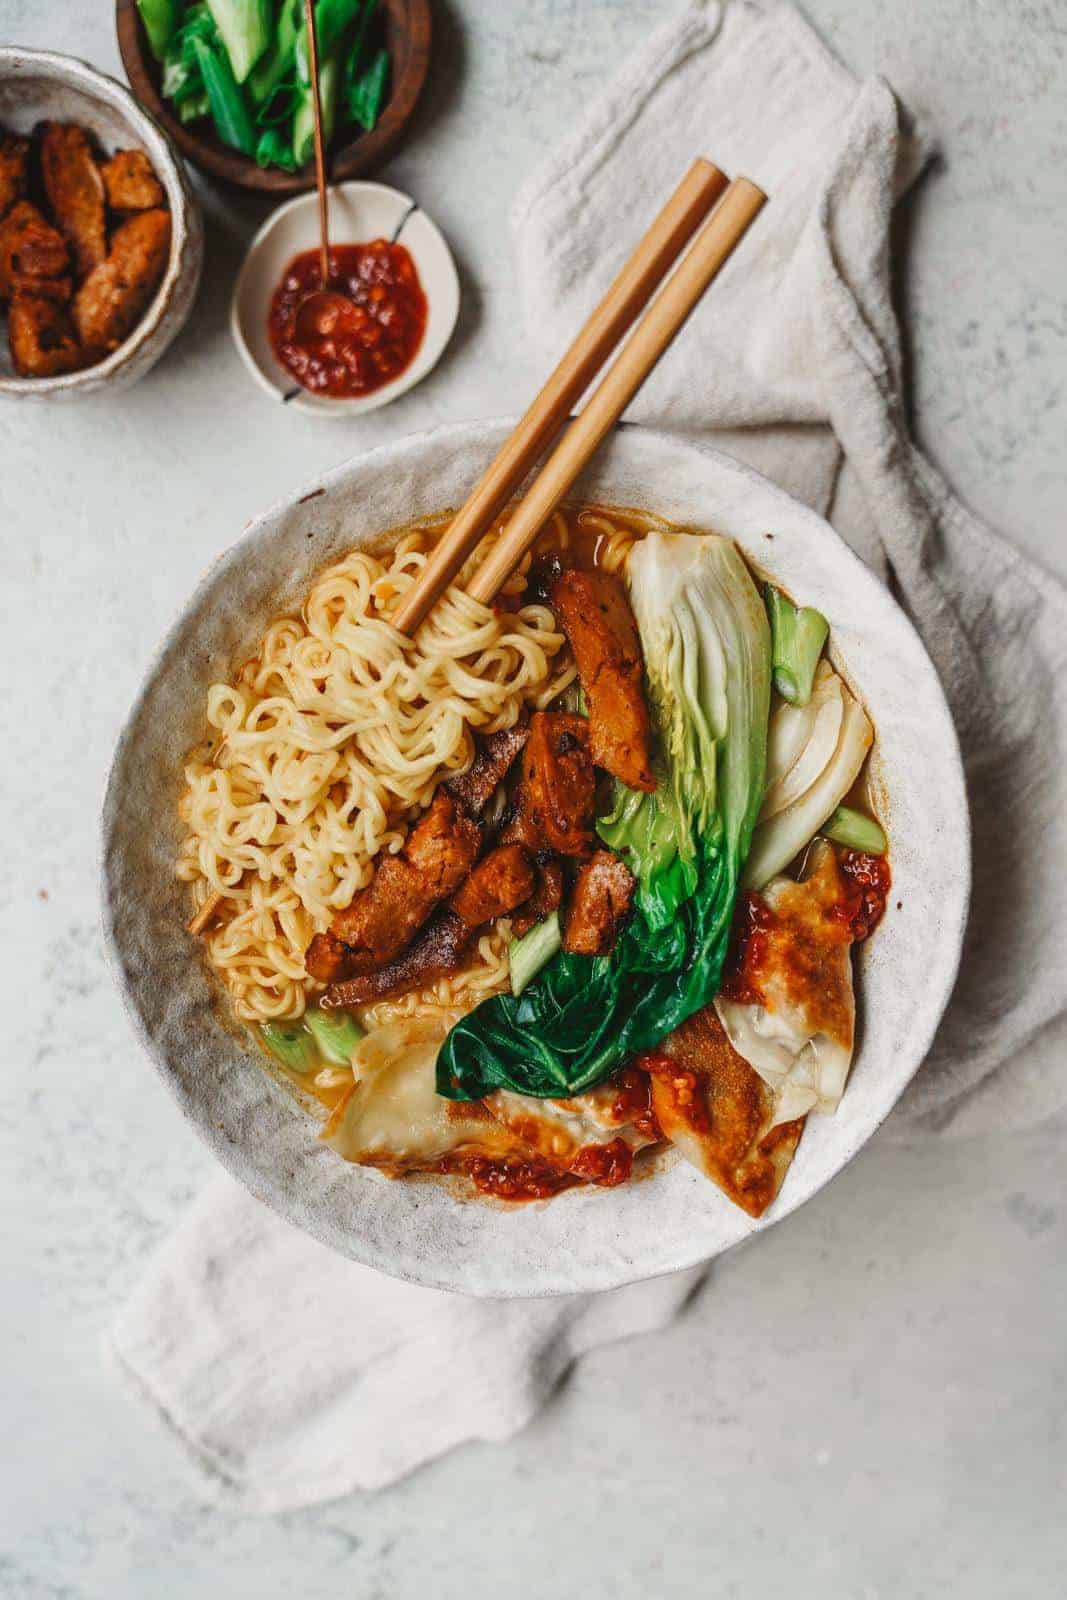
point(856, 831)
point(797, 638)
point(160, 18)
point(814, 754)
point(706, 643)
point(526, 956)
point(290, 1043)
point(245, 27)
point(335, 1032)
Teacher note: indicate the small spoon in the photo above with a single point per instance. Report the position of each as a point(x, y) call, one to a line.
point(324, 312)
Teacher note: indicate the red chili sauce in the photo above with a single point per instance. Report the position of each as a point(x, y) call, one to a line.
point(349, 356)
point(869, 882)
point(753, 921)
point(605, 1165)
point(681, 1085)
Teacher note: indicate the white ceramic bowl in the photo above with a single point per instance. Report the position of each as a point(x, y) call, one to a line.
point(36, 85)
point(586, 1238)
point(359, 212)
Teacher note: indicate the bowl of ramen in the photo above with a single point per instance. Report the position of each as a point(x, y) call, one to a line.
point(580, 936)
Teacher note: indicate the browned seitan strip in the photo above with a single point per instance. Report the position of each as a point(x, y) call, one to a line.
point(546, 898)
point(33, 255)
point(75, 192)
point(14, 159)
point(385, 916)
point(496, 886)
point(441, 948)
point(599, 905)
point(130, 183)
point(594, 610)
point(42, 338)
point(499, 883)
point(494, 757)
point(558, 790)
point(116, 293)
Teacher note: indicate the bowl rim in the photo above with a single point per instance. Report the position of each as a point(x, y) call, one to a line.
point(72, 70)
point(688, 1249)
point(349, 160)
point(413, 373)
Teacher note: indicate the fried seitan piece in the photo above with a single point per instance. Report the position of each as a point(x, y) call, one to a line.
point(14, 159)
point(494, 757)
point(440, 948)
point(385, 916)
point(33, 255)
point(42, 338)
point(130, 183)
point(496, 886)
point(75, 192)
point(546, 898)
point(114, 295)
point(556, 797)
point(599, 905)
point(594, 610)
point(720, 1113)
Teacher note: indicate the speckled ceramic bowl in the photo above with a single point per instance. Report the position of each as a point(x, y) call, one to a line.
point(36, 85)
point(584, 1239)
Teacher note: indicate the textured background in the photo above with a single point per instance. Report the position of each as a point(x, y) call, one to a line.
point(869, 1402)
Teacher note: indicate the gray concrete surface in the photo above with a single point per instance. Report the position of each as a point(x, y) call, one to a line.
point(869, 1402)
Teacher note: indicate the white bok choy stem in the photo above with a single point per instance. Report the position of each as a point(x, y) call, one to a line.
point(814, 755)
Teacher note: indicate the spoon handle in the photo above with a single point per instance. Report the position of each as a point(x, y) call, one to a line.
point(320, 155)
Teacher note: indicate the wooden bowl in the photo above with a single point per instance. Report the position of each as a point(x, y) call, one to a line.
point(407, 34)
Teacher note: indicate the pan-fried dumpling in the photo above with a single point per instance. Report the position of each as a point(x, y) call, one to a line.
point(800, 1038)
point(393, 1117)
point(720, 1114)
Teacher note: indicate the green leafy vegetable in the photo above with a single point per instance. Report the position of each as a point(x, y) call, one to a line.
point(194, 107)
point(367, 94)
point(291, 1043)
point(261, 45)
point(278, 63)
point(526, 956)
point(707, 652)
point(274, 150)
point(228, 110)
point(182, 78)
point(797, 639)
point(160, 18)
point(336, 1034)
point(356, 50)
point(304, 112)
point(814, 755)
point(245, 27)
point(856, 831)
point(333, 18)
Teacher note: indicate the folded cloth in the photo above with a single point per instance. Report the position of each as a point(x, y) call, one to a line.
point(295, 1376)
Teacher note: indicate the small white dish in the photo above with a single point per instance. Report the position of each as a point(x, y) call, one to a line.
point(359, 212)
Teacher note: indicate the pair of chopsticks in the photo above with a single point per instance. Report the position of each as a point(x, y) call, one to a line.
point(705, 196)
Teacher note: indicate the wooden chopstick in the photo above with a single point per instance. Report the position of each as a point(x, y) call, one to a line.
point(320, 152)
point(713, 246)
point(625, 300)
